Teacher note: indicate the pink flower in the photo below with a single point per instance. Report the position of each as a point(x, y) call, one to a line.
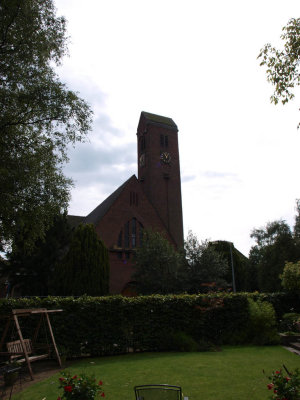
point(275, 391)
point(62, 379)
point(270, 385)
point(288, 379)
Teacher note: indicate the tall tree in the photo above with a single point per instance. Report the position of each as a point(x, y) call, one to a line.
point(33, 273)
point(283, 65)
point(85, 267)
point(203, 266)
point(274, 246)
point(39, 118)
point(157, 264)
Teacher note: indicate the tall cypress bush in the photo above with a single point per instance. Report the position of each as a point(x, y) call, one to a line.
point(85, 267)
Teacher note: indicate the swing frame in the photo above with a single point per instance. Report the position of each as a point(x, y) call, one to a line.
point(24, 342)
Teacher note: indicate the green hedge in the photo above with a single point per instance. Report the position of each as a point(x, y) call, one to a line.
point(116, 324)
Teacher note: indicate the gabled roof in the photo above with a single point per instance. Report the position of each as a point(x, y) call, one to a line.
point(159, 119)
point(95, 216)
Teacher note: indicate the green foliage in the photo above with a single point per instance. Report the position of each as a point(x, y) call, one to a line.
point(262, 323)
point(274, 246)
point(290, 278)
point(285, 386)
point(85, 267)
point(203, 265)
point(39, 118)
point(181, 341)
point(157, 263)
point(240, 264)
point(80, 387)
point(283, 65)
point(33, 273)
point(144, 323)
point(287, 323)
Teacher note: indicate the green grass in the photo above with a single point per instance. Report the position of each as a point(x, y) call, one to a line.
point(235, 373)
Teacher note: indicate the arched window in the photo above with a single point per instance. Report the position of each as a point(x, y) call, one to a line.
point(133, 234)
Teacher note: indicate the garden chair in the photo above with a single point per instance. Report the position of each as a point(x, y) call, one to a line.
point(158, 392)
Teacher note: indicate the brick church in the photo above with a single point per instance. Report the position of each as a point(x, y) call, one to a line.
point(153, 200)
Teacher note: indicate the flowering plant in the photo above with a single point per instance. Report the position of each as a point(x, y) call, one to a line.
point(80, 387)
point(285, 386)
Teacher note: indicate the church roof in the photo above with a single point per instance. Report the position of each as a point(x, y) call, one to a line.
point(95, 216)
point(159, 119)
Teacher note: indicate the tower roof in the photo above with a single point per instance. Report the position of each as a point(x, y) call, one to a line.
point(159, 119)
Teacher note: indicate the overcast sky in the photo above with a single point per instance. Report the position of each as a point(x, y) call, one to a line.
point(196, 62)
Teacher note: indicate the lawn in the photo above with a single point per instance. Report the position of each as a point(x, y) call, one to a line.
point(235, 373)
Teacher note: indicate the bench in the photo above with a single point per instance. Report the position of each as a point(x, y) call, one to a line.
point(16, 350)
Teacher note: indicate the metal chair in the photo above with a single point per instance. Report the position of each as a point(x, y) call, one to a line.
point(158, 392)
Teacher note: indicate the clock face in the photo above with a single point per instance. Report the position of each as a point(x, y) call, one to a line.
point(165, 157)
point(142, 160)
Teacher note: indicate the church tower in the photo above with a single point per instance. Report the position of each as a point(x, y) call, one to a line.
point(159, 170)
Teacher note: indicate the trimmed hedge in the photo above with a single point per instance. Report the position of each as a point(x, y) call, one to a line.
point(116, 324)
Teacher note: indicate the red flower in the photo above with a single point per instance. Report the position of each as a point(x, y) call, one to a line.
point(278, 372)
point(59, 398)
point(62, 379)
point(102, 394)
point(100, 383)
point(270, 385)
point(68, 388)
point(275, 391)
point(288, 379)
point(74, 377)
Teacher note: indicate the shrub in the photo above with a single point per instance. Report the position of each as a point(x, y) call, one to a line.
point(181, 341)
point(80, 387)
point(285, 386)
point(262, 323)
point(287, 323)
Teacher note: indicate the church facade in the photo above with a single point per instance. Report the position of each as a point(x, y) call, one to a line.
point(150, 201)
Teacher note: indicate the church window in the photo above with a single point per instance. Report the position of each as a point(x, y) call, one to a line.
point(131, 236)
point(141, 233)
point(133, 233)
point(162, 140)
point(126, 235)
point(120, 239)
point(133, 198)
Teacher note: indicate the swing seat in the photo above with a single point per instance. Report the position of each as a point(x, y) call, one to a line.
point(16, 350)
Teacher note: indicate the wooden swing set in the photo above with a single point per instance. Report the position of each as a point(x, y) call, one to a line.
point(23, 350)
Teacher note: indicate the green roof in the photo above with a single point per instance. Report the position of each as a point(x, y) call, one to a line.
point(159, 119)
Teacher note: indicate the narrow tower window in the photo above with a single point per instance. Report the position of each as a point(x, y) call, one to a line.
point(120, 239)
point(126, 234)
point(133, 233)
